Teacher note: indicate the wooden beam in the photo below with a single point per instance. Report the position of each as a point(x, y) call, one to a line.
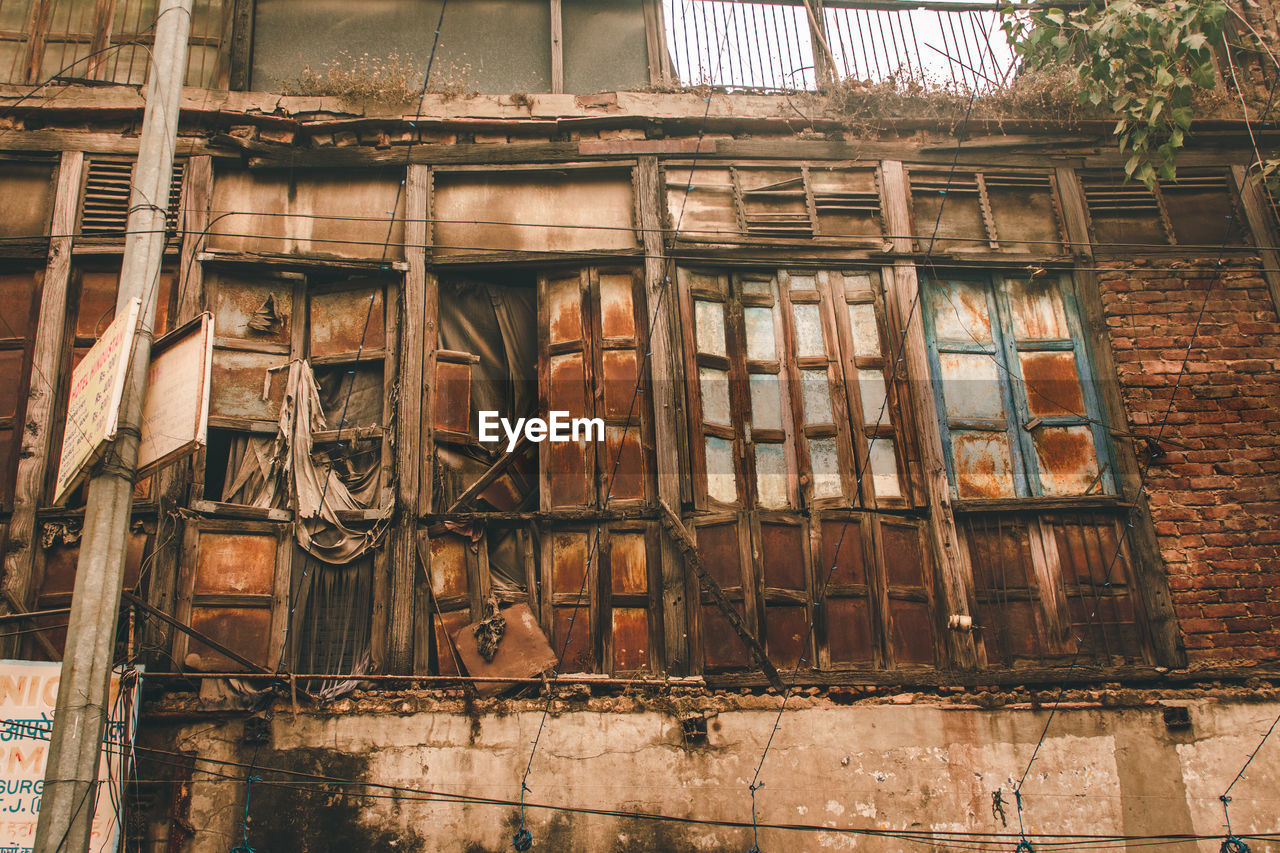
point(409, 426)
point(679, 534)
point(1150, 578)
point(903, 295)
point(36, 455)
point(241, 52)
point(496, 470)
point(666, 382)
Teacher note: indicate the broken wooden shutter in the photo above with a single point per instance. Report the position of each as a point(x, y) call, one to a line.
point(234, 588)
point(1200, 209)
point(452, 558)
point(620, 330)
point(570, 560)
point(1009, 210)
point(104, 211)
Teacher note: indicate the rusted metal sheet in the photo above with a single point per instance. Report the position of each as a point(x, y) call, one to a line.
point(848, 630)
point(1053, 385)
point(625, 463)
point(984, 467)
point(239, 378)
point(566, 380)
point(782, 548)
point(971, 386)
point(347, 320)
point(18, 291)
point(245, 630)
point(567, 477)
point(630, 639)
point(564, 303)
point(445, 625)
point(718, 547)
point(786, 629)
point(849, 562)
point(1068, 460)
point(1037, 309)
point(523, 651)
point(453, 398)
point(620, 375)
point(911, 634)
point(241, 563)
point(628, 563)
point(259, 310)
point(960, 311)
point(617, 305)
point(28, 193)
point(568, 562)
point(721, 645)
point(575, 640)
point(448, 566)
point(903, 555)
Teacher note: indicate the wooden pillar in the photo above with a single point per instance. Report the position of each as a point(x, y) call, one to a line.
point(46, 366)
point(1149, 574)
point(408, 427)
point(906, 313)
point(1254, 203)
point(664, 377)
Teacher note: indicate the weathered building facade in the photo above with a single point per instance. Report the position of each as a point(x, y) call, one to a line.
point(937, 461)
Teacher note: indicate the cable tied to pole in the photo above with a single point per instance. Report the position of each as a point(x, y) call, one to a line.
point(243, 846)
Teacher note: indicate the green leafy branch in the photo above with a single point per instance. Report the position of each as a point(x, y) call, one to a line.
point(1146, 62)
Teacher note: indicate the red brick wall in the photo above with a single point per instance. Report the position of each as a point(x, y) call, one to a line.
point(1215, 498)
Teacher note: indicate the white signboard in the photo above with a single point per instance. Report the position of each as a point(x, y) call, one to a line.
point(93, 411)
point(28, 693)
point(175, 416)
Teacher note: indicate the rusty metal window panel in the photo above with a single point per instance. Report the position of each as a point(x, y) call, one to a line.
point(985, 210)
point(1199, 210)
point(1014, 388)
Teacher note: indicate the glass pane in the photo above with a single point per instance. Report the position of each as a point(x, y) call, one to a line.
point(604, 46)
point(1038, 312)
point(1068, 461)
point(826, 468)
point(960, 311)
point(808, 330)
point(709, 327)
point(715, 395)
point(771, 475)
point(760, 340)
point(803, 281)
point(815, 393)
point(871, 389)
point(866, 334)
point(984, 468)
point(970, 385)
point(757, 287)
point(883, 461)
point(1052, 383)
point(766, 401)
point(721, 484)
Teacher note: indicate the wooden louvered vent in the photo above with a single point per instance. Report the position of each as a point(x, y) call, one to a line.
point(105, 212)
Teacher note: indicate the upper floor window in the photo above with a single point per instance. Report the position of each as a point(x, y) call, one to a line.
point(1015, 394)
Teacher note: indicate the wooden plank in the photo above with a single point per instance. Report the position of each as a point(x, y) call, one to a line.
point(241, 49)
point(667, 386)
point(1150, 579)
point(655, 41)
point(36, 455)
point(679, 534)
point(414, 432)
point(902, 294)
point(1264, 236)
point(557, 47)
point(486, 479)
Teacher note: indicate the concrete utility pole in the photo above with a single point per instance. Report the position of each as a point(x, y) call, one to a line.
point(71, 775)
